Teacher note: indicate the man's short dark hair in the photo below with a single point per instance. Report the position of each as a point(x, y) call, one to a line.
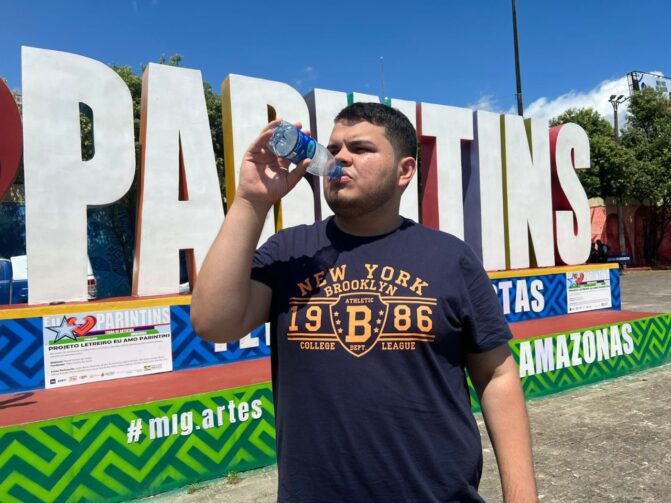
point(398, 129)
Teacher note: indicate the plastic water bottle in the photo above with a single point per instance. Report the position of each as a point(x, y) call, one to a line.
point(291, 143)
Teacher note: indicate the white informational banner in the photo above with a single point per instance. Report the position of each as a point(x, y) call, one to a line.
point(91, 347)
point(588, 290)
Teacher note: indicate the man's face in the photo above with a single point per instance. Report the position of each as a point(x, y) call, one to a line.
point(370, 178)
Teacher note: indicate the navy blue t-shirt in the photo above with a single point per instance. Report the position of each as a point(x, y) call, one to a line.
point(369, 337)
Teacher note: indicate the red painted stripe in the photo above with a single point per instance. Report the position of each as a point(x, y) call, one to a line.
point(429, 189)
point(11, 139)
point(572, 322)
point(40, 405)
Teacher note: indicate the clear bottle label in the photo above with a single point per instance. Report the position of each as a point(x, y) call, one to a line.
point(305, 148)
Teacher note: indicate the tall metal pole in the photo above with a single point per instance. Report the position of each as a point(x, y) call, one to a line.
point(384, 96)
point(520, 106)
point(615, 101)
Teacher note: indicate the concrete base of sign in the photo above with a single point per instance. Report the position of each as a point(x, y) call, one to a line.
point(114, 440)
point(41, 405)
point(117, 440)
point(532, 294)
point(556, 354)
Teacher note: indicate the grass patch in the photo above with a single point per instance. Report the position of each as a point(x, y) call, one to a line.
point(194, 488)
point(233, 478)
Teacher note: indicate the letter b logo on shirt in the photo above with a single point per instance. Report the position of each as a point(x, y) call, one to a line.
point(359, 329)
point(358, 320)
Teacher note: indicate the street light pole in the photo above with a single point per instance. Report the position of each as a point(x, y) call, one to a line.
point(518, 78)
point(384, 95)
point(616, 101)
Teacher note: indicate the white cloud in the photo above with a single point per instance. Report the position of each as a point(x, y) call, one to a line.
point(546, 108)
point(487, 103)
point(307, 74)
point(596, 98)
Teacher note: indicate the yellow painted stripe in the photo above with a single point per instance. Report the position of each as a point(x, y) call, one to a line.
point(89, 307)
point(182, 300)
point(504, 185)
point(227, 126)
point(543, 271)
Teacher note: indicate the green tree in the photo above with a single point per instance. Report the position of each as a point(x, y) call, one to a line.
point(214, 114)
point(588, 119)
point(648, 137)
point(613, 166)
point(606, 176)
point(16, 191)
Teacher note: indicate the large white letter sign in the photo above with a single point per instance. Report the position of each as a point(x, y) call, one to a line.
point(177, 147)
point(487, 169)
point(410, 200)
point(528, 191)
point(245, 102)
point(59, 184)
point(450, 126)
point(324, 105)
point(569, 148)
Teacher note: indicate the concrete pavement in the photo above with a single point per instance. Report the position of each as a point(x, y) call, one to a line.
point(609, 442)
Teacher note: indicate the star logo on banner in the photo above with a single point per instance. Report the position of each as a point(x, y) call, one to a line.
point(64, 331)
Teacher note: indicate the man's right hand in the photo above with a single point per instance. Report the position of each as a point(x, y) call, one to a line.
point(226, 303)
point(264, 177)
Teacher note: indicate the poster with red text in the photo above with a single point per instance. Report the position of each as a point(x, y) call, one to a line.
point(98, 346)
point(588, 290)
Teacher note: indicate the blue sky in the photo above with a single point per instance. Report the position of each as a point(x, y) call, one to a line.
point(573, 52)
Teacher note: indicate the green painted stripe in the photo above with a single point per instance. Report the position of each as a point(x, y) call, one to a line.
point(651, 339)
point(89, 458)
point(152, 331)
